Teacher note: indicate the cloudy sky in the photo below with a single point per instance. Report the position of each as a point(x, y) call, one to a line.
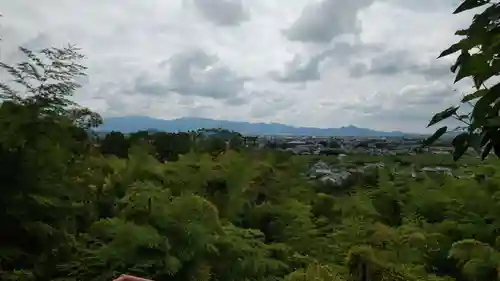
point(322, 63)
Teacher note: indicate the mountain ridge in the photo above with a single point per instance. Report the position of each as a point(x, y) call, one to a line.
point(130, 124)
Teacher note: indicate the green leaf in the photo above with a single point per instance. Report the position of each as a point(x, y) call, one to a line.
point(485, 137)
point(486, 150)
point(451, 50)
point(476, 66)
point(493, 122)
point(478, 80)
point(470, 4)
point(459, 152)
point(496, 148)
point(475, 140)
point(459, 61)
point(430, 140)
point(460, 144)
point(483, 106)
point(438, 117)
point(475, 95)
point(460, 139)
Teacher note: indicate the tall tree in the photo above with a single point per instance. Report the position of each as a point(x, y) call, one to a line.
point(115, 143)
point(169, 145)
point(41, 132)
point(478, 59)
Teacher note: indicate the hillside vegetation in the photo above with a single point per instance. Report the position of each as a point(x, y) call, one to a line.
point(188, 207)
point(71, 213)
point(183, 207)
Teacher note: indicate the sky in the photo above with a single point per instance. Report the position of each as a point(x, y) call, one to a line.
point(318, 63)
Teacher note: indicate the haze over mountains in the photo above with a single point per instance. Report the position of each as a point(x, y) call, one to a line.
point(129, 124)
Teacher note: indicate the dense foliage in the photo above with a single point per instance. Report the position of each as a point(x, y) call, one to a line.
point(191, 206)
point(168, 146)
point(76, 207)
point(478, 59)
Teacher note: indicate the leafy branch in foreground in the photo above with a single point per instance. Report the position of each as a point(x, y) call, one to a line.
point(46, 81)
point(479, 59)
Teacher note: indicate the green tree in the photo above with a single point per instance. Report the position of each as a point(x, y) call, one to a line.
point(478, 59)
point(215, 141)
point(40, 154)
point(169, 146)
point(115, 143)
point(139, 137)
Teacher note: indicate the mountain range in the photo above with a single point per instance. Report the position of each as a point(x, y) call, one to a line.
point(130, 124)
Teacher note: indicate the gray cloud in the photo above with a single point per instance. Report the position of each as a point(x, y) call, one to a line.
point(236, 101)
point(323, 21)
point(427, 5)
point(222, 12)
point(143, 85)
point(195, 73)
point(401, 62)
point(270, 106)
point(358, 70)
point(297, 72)
point(414, 104)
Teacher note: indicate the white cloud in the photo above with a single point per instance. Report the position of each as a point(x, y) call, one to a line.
point(325, 63)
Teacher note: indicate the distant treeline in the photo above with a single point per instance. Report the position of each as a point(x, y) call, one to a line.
point(168, 146)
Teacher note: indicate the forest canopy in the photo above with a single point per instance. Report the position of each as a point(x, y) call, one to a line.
point(204, 206)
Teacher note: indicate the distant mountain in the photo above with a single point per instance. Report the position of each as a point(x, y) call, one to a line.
point(129, 124)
